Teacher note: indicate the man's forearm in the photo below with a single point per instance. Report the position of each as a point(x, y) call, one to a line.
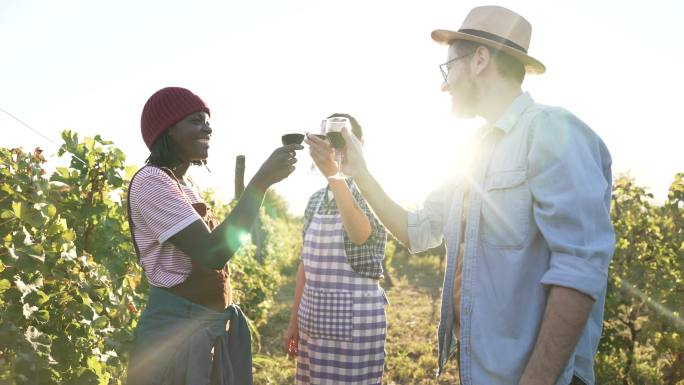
point(565, 317)
point(392, 216)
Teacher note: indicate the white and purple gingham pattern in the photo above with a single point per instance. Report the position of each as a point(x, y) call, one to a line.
point(329, 351)
point(365, 259)
point(328, 314)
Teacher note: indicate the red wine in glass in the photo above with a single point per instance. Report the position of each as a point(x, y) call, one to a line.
point(292, 139)
point(336, 139)
point(333, 129)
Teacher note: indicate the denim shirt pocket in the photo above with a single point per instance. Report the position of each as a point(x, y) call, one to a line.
point(506, 209)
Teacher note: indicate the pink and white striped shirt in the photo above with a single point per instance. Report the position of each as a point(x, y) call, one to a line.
point(160, 210)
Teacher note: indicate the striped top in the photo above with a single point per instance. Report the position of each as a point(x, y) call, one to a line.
point(160, 210)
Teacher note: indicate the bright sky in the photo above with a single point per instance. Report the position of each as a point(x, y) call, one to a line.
point(270, 67)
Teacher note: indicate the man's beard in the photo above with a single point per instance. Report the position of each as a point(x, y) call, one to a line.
point(465, 98)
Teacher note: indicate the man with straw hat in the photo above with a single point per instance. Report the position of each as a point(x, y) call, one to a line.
point(526, 224)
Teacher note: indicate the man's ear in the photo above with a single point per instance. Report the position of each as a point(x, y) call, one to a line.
point(481, 60)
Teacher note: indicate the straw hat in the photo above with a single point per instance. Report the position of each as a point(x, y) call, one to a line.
point(498, 28)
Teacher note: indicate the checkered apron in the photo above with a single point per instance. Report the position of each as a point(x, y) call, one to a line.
point(342, 322)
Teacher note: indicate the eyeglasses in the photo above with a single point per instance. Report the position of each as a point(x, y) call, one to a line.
point(444, 67)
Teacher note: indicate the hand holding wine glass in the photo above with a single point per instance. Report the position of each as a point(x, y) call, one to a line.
point(322, 154)
point(313, 168)
point(354, 163)
point(278, 166)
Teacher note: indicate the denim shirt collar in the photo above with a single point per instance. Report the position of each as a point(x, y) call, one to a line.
point(510, 117)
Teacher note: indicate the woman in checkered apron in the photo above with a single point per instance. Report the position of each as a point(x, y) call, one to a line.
point(338, 325)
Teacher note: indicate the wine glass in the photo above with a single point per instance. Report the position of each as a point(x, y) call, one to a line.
point(313, 170)
point(292, 138)
point(333, 130)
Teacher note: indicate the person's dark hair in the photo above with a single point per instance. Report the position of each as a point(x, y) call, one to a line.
point(356, 127)
point(163, 153)
point(506, 64)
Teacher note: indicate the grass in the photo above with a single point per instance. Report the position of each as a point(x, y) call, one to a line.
point(412, 317)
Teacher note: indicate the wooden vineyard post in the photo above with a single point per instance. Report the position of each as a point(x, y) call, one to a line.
point(239, 176)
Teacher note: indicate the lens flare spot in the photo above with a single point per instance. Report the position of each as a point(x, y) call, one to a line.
point(245, 238)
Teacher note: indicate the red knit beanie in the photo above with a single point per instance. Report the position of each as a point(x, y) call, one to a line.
point(165, 108)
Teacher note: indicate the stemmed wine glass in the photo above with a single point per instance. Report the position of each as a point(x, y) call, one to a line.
point(313, 170)
point(333, 130)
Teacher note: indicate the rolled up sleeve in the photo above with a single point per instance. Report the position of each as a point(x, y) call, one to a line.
point(426, 225)
point(570, 181)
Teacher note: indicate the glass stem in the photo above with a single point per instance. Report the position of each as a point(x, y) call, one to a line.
point(338, 158)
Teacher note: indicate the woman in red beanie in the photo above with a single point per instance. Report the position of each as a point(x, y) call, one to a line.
point(183, 335)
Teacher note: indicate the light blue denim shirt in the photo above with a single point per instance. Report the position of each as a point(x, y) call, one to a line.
point(538, 215)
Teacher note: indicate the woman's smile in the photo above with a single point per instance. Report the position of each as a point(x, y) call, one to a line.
point(204, 142)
